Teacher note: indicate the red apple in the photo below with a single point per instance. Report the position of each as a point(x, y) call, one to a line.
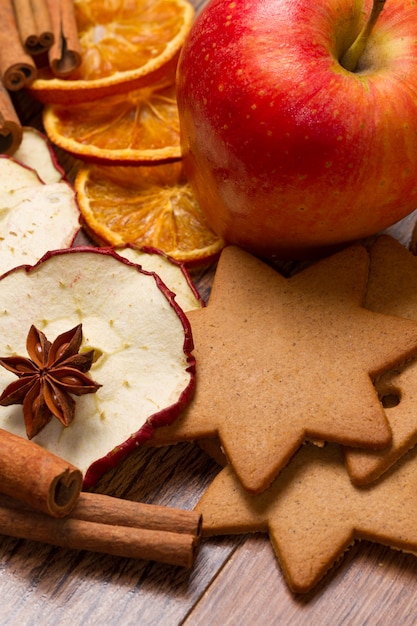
point(288, 151)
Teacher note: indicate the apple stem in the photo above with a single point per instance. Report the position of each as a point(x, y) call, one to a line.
point(351, 57)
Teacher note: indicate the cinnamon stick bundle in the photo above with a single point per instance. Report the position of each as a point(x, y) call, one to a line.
point(110, 525)
point(65, 53)
point(11, 131)
point(34, 25)
point(37, 477)
point(17, 69)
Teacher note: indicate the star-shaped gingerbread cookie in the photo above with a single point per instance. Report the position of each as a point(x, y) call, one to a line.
point(392, 289)
point(313, 512)
point(281, 361)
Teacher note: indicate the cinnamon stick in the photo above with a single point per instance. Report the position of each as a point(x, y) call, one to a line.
point(37, 477)
point(95, 507)
point(34, 25)
point(11, 131)
point(65, 53)
point(17, 69)
point(108, 525)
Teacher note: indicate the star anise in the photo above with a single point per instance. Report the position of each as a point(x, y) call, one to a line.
point(47, 379)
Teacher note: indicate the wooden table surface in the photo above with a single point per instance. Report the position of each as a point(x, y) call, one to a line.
point(236, 581)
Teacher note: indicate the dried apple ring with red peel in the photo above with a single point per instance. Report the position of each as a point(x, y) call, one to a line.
point(142, 342)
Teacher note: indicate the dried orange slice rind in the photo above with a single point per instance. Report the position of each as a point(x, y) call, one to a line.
point(145, 206)
point(124, 45)
point(141, 126)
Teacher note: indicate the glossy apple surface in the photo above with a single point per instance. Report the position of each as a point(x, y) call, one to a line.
point(287, 151)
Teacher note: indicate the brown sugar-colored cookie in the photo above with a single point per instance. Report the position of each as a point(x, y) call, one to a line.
point(392, 289)
point(280, 361)
point(313, 512)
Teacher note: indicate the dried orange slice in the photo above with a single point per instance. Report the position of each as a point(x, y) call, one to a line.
point(141, 126)
point(147, 206)
point(125, 44)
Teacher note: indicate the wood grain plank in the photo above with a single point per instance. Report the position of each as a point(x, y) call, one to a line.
point(371, 585)
point(47, 585)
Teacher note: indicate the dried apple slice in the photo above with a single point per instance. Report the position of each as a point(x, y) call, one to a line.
point(36, 152)
point(142, 342)
point(34, 216)
point(173, 273)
